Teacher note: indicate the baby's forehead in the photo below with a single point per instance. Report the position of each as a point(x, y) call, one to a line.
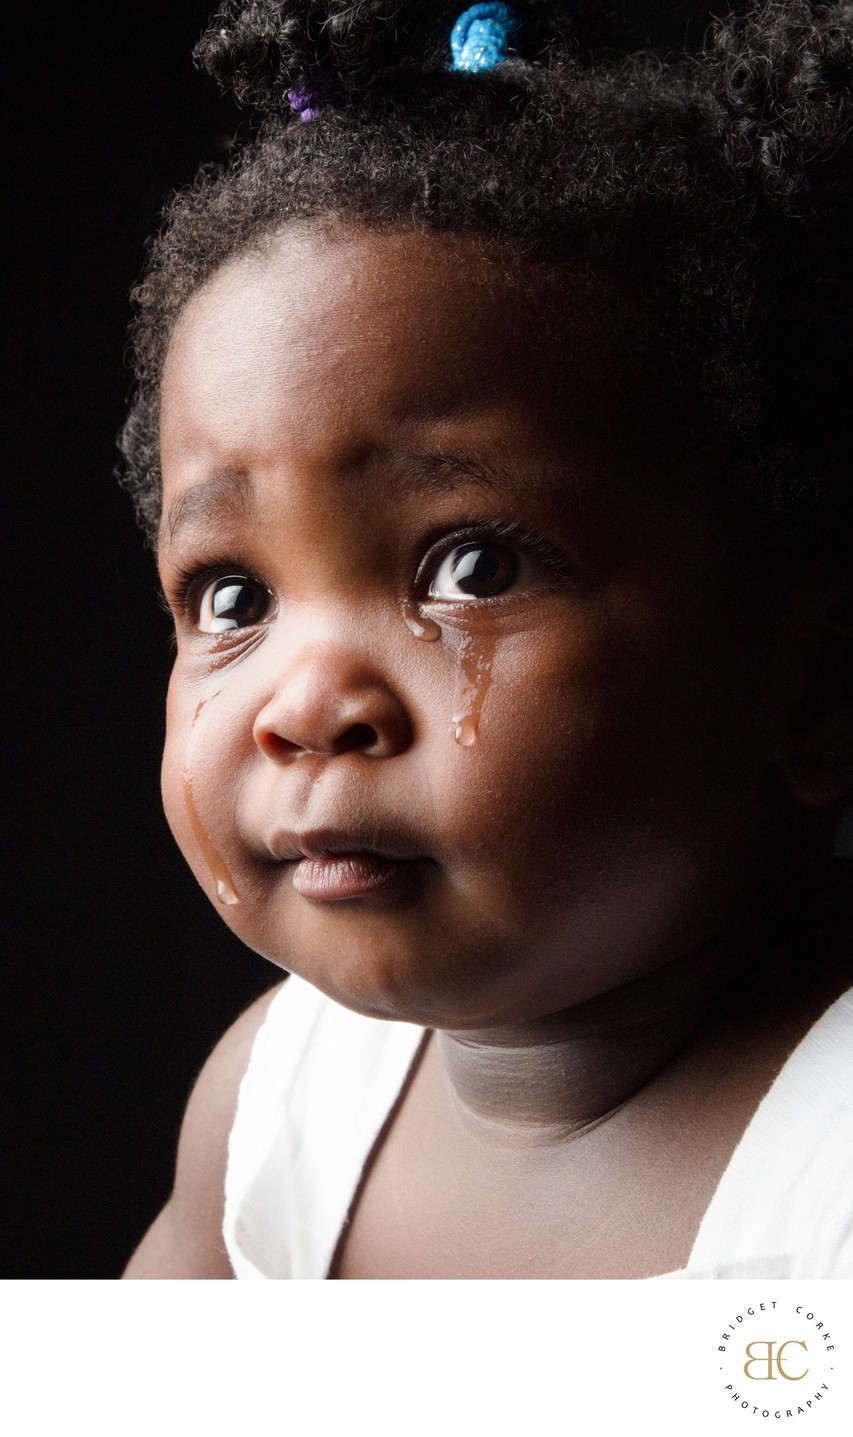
point(438, 312)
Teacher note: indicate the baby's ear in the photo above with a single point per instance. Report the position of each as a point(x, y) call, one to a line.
point(815, 755)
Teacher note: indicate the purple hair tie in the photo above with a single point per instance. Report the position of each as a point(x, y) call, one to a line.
point(306, 103)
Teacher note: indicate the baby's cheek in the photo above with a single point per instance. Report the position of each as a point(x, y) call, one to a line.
point(180, 756)
point(172, 791)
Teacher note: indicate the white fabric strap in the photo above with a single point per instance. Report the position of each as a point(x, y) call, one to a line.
point(319, 1088)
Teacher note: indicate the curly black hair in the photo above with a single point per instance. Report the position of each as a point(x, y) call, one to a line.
point(718, 186)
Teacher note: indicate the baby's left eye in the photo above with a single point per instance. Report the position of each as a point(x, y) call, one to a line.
point(478, 570)
point(232, 602)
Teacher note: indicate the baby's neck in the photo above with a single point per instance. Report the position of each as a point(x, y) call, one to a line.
point(552, 1079)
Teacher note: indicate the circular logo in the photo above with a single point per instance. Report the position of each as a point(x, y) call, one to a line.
point(776, 1360)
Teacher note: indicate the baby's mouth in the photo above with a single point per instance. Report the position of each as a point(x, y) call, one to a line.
point(335, 867)
point(341, 876)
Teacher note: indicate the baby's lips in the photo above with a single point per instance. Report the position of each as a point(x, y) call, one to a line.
point(337, 878)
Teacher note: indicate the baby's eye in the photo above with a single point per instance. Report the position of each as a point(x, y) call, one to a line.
point(475, 571)
point(232, 602)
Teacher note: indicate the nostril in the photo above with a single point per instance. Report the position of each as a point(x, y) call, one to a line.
point(359, 736)
point(327, 711)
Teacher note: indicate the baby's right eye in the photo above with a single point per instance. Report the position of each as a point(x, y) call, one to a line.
point(232, 602)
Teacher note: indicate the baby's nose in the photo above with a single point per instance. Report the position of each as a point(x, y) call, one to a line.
point(329, 702)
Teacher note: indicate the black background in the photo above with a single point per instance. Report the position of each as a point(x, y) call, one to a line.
point(125, 976)
point(122, 974)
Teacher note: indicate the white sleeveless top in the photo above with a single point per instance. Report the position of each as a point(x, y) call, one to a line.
point(323, 1082)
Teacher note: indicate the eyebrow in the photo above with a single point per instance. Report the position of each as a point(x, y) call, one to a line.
point(227, 495)
point(231, 494)
point(444, 471)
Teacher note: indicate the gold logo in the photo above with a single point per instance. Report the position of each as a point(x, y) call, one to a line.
point(770, 1361)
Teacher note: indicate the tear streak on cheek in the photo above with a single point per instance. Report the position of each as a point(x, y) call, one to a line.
point(226, 893)
point(474, 655)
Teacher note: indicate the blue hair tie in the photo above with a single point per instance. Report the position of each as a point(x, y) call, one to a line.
point(480, 38)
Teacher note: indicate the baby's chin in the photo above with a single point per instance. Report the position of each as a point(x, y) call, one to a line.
point(390, 979)
point(387, 965)
point(433, 1005)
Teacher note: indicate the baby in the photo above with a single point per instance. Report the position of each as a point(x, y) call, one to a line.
point(490, 432)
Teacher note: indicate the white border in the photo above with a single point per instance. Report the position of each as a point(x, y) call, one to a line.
point(251, 1359)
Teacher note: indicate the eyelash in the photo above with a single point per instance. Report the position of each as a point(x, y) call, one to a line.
point(187, 585)
point(510, 531)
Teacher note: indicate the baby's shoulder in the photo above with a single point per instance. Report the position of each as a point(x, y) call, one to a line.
point(186, 1239)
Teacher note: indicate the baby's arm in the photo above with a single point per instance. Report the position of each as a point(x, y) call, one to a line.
point(186, 1239)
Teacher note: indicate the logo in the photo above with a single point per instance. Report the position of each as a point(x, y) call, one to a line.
point(776, 1360)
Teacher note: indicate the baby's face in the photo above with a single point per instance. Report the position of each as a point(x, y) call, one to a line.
point(466, 723)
